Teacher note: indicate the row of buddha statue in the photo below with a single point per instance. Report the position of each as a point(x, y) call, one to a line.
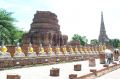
point(65, 51)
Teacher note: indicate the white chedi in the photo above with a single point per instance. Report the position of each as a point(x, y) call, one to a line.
point(31, 52)
point(18, 52)
point(4, 53)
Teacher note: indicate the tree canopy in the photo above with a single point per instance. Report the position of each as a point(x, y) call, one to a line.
point(8, 32)
point(82, 39)
point(94, 41)
point(114, 42)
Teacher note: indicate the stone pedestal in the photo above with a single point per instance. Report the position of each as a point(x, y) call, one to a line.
point(13, 77)
point(92, 62)
point(102, 58)
point(54, 72)
point(77, 67)
point(72, 76)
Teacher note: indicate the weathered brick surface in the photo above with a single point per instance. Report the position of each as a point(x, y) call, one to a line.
point(13, 77)
point(87, 76)
point(92, 62)
point(102, 58)
point(77, 67)
point(54, 72)
point(72, 76)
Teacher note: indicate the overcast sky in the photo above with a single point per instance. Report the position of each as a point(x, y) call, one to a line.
point(75, 16)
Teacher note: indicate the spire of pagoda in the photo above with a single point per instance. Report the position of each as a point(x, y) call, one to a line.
point(103, 38)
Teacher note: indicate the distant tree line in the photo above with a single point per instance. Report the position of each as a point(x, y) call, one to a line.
point(83, 40)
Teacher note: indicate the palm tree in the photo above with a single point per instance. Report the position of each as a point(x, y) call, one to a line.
point(4, 35)
point(8, 32)
point(6, 26)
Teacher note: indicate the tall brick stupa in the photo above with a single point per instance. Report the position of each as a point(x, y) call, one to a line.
point(45, 30)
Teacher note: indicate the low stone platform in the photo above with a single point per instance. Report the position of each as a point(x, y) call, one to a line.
point(65, 70)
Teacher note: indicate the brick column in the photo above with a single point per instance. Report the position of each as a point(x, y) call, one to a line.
point(102, 58)
point(77, 67)
point(72, 76)
point(92, 62)
point(54, 72)
point(13, 77)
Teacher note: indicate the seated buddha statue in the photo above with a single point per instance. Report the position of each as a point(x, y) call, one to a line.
point(71, 50)
point(88, 50)
point(96, 50)
point(18, 52)
point(65, 50)
point(81, 50)
point(85, 50)
point(50, 51)
point(31, 52)
point(76, 50)
point(101, 51)
point(57, 49)
point(93, 51)
point(4, 54)
point(104, 47)
point(41, 51)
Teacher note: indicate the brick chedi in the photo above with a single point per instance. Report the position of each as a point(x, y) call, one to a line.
point(46, 30)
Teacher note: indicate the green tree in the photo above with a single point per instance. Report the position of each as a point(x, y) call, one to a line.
point(94, 41)
point(82, 39)
point(114, 42)
point(8, 32)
